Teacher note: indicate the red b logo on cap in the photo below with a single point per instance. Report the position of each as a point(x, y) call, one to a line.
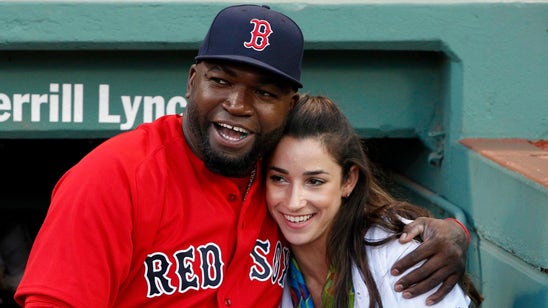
point(259, 35)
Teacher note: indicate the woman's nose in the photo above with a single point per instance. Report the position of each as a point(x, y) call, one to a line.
point(297, 198)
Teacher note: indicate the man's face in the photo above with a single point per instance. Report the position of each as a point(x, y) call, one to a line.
point(235, 114)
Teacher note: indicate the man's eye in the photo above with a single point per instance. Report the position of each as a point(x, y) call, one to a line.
point(265, 93)
point(220, 81)
point(217, 80)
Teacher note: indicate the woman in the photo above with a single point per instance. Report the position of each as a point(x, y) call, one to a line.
point(340, 223)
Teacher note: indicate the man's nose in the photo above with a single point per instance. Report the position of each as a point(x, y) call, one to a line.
point(239, 102)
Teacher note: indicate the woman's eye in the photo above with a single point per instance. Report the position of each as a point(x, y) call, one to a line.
point(276, 178)
point(315, 182)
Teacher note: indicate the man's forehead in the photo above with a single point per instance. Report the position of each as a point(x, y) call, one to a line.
point(232, 68)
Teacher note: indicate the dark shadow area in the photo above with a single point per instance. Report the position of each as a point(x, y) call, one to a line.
point(30, 169)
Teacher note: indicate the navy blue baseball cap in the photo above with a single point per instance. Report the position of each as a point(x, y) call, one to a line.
point(256, 35)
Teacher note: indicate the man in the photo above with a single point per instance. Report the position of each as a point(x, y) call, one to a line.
point(173, 213)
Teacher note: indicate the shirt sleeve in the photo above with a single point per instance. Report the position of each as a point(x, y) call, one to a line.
point(83, 249)
point(381, 259)
point(39, 301)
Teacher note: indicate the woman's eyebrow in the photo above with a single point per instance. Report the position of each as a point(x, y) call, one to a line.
point(315, 172)
point(278, 169)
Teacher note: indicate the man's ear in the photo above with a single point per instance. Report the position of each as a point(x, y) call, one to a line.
point(294, 99)
point(190, 81)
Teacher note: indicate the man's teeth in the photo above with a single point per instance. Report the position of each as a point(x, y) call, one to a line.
point(235, 128)
point(297, 219)
point(241, 133)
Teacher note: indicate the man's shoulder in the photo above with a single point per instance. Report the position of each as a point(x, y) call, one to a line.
point(148, 136)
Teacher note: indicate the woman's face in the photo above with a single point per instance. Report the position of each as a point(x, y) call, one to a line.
point(304, 190)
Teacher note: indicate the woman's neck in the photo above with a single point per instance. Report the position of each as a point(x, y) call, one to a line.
point(313, 264)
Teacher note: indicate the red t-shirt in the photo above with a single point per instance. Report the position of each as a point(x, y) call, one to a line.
point(140, 222)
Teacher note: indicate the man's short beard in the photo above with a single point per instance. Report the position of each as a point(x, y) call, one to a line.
point(223, 164)
point(241, 166)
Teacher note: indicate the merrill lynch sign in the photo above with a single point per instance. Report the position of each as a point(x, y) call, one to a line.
point(66, 103)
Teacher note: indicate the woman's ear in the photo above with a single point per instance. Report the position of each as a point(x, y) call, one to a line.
point(351, 180)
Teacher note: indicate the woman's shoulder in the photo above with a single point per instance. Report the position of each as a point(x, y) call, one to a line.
point(385, 254)
point(382, 257)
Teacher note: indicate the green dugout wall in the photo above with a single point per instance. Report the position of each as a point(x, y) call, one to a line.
point(436, 87)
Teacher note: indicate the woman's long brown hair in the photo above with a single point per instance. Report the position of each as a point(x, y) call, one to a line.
point(368, 204)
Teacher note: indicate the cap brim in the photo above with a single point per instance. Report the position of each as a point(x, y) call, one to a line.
point(251, 61)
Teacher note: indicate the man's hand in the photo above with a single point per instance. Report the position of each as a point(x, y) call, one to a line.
point(444, 248)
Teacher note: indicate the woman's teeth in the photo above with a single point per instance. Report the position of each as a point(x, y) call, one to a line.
point(297, 219)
